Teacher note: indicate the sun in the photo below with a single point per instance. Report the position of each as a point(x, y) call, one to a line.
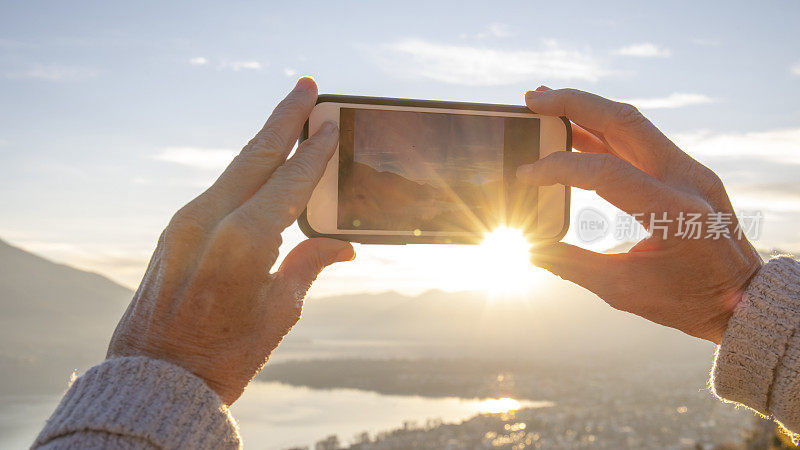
point(499, 266)
point(504, 257)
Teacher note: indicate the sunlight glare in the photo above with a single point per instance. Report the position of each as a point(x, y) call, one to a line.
point(505, 261)
point(497, 405)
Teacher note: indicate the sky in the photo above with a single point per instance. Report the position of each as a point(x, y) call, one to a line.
point(114, 114)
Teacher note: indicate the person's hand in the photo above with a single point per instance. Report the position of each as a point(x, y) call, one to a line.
point(208, 302)
point(678, 281)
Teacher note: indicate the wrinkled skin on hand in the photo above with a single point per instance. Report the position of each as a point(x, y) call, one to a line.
point(208, 302)
point(692, 285)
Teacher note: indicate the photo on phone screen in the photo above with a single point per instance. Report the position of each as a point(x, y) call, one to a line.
point(406, 170)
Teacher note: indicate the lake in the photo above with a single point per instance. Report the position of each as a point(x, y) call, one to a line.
point(277, 416)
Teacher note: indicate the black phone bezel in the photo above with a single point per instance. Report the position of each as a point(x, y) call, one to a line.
point(475, 238)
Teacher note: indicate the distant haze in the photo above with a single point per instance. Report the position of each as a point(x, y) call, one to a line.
point(55, 319)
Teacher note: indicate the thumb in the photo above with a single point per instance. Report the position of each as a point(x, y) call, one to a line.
point(302, 265)
point(593, 271)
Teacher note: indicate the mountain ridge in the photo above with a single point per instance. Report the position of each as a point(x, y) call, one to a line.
point(55, 319)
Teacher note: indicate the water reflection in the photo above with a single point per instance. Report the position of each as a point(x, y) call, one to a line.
point(276, 416)
point(497, 405)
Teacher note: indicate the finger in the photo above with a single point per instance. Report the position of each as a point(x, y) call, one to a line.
point(628, 135)
point(615, 180)
point(279, 202)
point(582, 139)
point(283, 126)
point(620, 125)
point(579, 265)
point(302, 265)
point(263, 154)
point(585, 141)
point(585, 109)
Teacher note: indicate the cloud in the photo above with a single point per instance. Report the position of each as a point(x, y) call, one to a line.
point(777, 146)
point(54, 72)
point(198, 158)
point(643, 50)
point(674, 100)
point(492, 30)
point(236, 66)
point(485, 66)
point(289, 72)
point(796, 69)
point(497, 29)
point(759, 170)
point(783, 189)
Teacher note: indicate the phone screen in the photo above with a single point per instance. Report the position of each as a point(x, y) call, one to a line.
point(420, 171)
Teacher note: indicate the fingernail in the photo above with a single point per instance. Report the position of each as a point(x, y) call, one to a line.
point(346, 254)
point(329, 127)
point(525, 171)
point(305, 83)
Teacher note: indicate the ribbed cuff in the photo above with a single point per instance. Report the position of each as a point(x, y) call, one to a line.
point(146, 399)
point(750, 366)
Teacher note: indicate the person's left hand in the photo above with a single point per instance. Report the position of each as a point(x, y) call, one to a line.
point(681, 275)
point(208, 302)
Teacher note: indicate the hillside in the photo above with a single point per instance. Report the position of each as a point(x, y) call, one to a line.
point(559, 322)
point(53, 319)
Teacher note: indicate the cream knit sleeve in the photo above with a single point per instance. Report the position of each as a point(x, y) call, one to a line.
point(758, 362)
point(137, 402)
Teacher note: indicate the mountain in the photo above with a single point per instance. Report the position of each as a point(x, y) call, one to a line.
point(395, 202)
point(560, 322)
point(53, 319)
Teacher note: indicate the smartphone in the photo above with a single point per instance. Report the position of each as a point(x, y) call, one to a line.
point(430, 172)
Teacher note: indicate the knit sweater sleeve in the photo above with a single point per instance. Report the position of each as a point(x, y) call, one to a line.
point(758, 361)
point(137, 402)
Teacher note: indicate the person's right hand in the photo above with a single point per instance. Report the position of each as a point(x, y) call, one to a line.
point(208, 302)
point(692, 285)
